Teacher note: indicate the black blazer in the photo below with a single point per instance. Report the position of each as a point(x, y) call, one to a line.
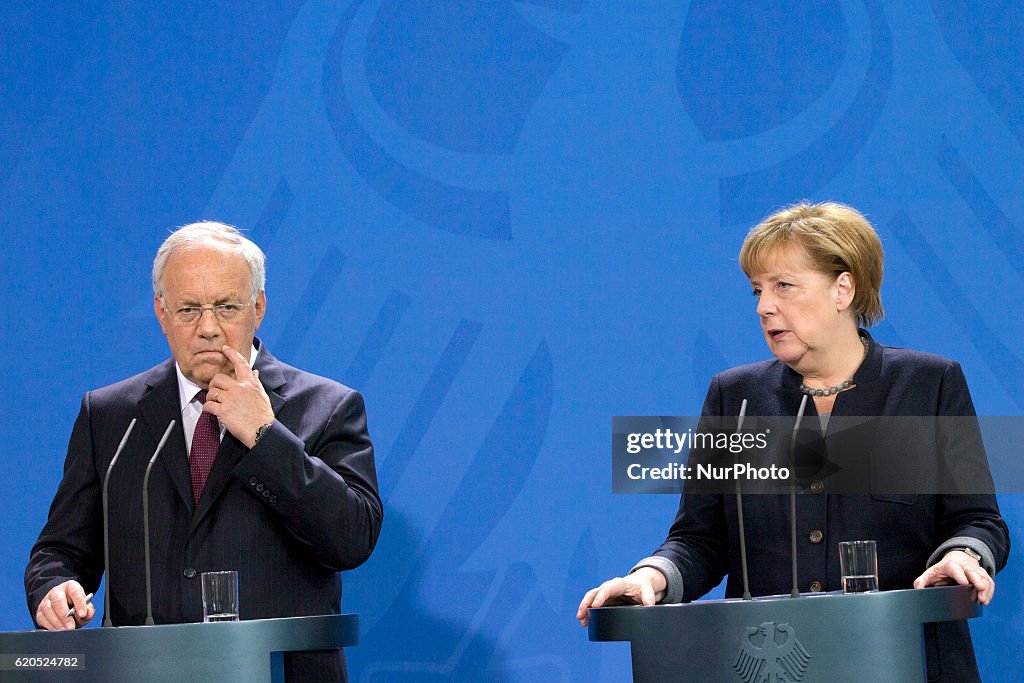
point(288, 515)
point(704, 539)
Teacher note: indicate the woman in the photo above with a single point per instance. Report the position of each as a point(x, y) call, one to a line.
point(816, 271)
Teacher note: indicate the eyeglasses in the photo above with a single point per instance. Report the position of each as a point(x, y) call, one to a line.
point(225, 313)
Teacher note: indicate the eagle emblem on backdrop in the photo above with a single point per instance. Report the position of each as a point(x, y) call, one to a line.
point(771, 653)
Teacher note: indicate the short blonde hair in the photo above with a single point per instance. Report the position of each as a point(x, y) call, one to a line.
point(835, 239)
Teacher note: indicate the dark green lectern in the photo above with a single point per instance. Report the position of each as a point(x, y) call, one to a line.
point(230, 651)
point(816, 637)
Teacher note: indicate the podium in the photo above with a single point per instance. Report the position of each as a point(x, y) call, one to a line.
point(229, 651)
point(815, 637)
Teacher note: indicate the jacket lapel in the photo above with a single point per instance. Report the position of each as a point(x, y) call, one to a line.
point(865, 399)
point(158, 406)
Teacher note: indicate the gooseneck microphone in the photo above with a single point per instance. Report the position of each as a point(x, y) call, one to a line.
point(739, 513)
point(106, 523)
point(795, 593)
point(145, 521)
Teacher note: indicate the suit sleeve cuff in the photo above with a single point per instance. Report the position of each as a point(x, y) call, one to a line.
point(673, 579)
point(987, 559)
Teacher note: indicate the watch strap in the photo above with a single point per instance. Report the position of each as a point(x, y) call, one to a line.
point(260, 431)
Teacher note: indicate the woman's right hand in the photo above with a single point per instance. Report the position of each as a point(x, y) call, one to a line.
point(645, 586)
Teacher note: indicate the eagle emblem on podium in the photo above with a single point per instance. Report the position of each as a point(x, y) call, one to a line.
point(771, 653)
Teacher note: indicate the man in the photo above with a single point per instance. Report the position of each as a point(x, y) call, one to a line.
point(268, 470)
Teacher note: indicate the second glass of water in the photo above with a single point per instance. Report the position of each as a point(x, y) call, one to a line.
point(858, 564)
point(220, 596)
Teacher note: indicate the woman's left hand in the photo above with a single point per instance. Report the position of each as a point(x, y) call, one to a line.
point(959, 567)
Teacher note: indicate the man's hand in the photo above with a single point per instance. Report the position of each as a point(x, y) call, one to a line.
point(240, 402)
point(959, 567)
point(645, 586)
point(51, 610)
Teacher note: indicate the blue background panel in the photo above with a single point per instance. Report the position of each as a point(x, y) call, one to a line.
point(503, 222)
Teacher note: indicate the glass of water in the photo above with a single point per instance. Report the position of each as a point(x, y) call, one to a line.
point(858, 564)
point(220, 596)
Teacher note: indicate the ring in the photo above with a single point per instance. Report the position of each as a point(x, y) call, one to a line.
point(217, 395)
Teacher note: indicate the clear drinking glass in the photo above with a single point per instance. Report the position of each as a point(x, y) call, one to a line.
point(858, 564)
point(220, 596)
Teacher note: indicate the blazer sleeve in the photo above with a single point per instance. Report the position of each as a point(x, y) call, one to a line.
point(70, 545)
point(327, 497)
point(972, 519)
point(697, 542)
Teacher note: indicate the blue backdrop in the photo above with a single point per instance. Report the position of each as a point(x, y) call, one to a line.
point(504, 222)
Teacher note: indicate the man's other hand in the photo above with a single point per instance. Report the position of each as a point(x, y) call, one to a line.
point(61, 598)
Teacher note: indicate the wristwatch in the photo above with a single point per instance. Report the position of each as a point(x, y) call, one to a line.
point(260, 431)
point(969, 551)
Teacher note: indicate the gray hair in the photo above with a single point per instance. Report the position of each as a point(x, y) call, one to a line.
point(202, 234)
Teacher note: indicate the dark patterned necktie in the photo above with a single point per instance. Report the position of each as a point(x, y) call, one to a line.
point(205, 442)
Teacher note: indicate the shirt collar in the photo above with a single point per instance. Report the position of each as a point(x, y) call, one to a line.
point(187, 389)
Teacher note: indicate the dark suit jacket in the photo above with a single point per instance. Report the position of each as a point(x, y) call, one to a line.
point(704, 539)
point(288, 515)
